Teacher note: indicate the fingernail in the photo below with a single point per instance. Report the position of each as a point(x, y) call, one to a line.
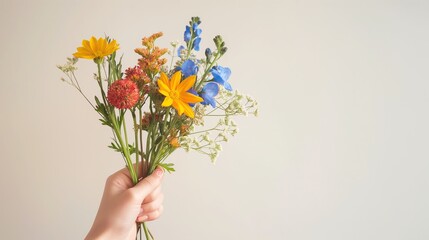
point(159, 172)
point(142, 218)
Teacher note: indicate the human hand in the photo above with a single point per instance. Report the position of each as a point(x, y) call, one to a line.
point(124, 204)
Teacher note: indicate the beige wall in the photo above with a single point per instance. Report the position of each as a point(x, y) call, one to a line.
point(339, 150)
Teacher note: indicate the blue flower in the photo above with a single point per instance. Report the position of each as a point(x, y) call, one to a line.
point(196, 44)
point(209, 92)
point(221, 75)
point(197, 30)
point(188, 34)
point(194, 32)
point(189, 68)
point(179, 50)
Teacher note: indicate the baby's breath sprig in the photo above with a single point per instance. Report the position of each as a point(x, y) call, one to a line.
point(233, 103)
point(69, 69)
point(208, 141)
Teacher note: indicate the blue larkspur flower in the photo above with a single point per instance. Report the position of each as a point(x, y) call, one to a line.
point(195, 32)
point(209, 92)
point(189, 68)
point(179, 50)
point(196, 44)
point(187, 34)
point(221, 75)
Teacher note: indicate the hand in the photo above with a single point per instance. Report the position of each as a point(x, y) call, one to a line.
point(124, 204)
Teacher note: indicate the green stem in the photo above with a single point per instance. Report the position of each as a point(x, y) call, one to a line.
point(135, 177)
point(207, 130)
point(77, 86)
point(148, 143)
point(207, 70)
point(99, 81)
point(142, 159)
point(150, 234)
point(136, 139)
point(221, 105)
point(125, 149)
point(146, 231)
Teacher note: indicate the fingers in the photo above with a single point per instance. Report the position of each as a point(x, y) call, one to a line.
point(153, 205)
point(153, 195)
point(151, 215)
point(147, 185)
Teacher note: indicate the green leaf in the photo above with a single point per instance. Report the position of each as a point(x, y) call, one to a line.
point(115, 146)
point(97, 101)
point(167, 166)
point(132, 149)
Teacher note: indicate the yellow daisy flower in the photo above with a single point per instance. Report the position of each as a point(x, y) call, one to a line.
point(93, 48)
point(176, 93)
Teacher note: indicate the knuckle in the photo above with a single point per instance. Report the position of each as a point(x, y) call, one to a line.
point(110, 180)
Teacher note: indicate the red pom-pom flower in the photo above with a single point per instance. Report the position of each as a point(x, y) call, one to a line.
point(123, 94)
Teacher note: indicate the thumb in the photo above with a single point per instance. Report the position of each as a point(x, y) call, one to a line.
point(148, 184)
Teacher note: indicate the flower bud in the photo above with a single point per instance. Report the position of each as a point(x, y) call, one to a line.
point(208, 53)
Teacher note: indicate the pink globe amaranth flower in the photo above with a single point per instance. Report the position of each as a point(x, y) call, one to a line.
point(123, 94)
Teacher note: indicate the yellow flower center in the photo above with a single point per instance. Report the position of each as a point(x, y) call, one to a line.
point(174, 94)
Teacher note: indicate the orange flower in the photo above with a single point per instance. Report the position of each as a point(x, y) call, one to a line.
point(176, 93)
point(151, 61)
point(174, 142)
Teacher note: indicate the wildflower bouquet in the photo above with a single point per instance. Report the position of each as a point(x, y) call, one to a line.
point(167, 103)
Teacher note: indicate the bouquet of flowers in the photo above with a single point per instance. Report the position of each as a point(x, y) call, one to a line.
point(167, 103)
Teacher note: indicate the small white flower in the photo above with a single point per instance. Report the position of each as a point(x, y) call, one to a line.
point(205, 137)
point(174, 43)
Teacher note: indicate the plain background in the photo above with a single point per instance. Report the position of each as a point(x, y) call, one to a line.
point(339, 151)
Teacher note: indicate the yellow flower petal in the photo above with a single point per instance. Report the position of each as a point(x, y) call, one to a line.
point(190, 98)
point(179, 107)
point(93, 44)
point(84, 51)
point(187, 83)
point(167, 102)
point(164, 87)
point(113, 46)
point(163, 92)
point(175, 79)
point(188, 111)
point(102, 44)
point(164, 79)
point(85, 44)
